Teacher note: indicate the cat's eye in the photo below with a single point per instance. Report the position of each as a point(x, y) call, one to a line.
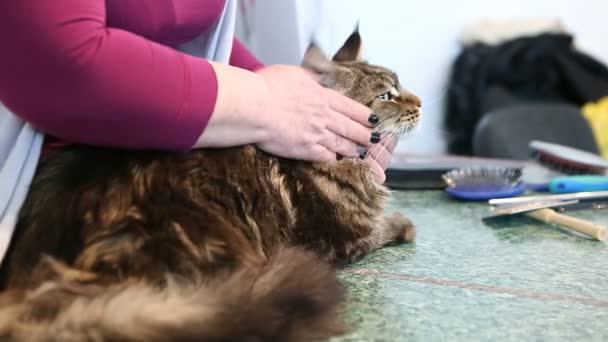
point(386, 96)
point(389, 95)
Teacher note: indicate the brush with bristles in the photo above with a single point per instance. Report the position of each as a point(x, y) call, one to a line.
point(568, 160)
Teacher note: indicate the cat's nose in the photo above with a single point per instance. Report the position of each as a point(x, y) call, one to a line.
point(410, 98)
point(415, 100)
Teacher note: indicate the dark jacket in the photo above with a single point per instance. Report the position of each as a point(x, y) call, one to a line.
point(544, 68)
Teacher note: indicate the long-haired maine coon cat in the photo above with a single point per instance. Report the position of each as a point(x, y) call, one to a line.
point(212, 245)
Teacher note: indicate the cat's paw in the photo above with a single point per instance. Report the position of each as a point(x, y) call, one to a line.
point(401, 228)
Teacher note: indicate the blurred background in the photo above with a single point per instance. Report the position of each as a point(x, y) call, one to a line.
point(423, 40)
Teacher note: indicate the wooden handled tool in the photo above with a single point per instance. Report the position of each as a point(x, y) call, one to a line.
point(591, 229)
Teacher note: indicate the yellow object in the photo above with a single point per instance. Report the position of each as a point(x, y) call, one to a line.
point(596, 114)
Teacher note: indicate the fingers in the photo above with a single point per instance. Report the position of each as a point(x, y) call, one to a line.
point(351, 108)
point(391, 144)
point(381, 155)
point(379, 158)
point(322, 154)
point(340, 145)
point(383, 152)
point(349, 129)
point(378, 172)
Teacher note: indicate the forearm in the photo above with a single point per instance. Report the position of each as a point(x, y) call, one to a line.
point(72, 77)
point(239, 116)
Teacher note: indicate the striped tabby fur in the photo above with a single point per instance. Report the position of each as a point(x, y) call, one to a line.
point(212, 245)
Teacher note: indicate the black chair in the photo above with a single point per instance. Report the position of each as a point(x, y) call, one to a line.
point(507, 131)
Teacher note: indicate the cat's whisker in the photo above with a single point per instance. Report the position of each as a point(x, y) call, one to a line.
point(374, 149)
point(388, 136)
point(408, 130)
point(396, 132)
point(391, 134)
point(426, 129)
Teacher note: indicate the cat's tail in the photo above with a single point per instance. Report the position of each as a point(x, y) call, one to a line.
point(293, 297)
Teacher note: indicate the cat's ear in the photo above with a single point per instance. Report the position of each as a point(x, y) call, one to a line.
point(352, 48)
point(316, 61)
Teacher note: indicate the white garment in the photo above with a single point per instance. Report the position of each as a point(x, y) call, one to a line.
point(21, 144)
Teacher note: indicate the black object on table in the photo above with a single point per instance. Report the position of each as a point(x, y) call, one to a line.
point(423, 172)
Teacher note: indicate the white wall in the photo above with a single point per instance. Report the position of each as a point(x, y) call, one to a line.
point(418, 39)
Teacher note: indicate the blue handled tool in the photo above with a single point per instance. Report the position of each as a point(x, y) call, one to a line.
point(569, 184)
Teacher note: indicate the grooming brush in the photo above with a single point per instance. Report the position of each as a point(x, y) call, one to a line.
point(570, 184)
point(569, 169)
point(482, 183)
point(544, 211)
point(568, 160)
point(580, 196)
point(590, 229)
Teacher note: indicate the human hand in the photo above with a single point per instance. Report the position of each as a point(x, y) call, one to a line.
point(309, 122)
point(379, 156)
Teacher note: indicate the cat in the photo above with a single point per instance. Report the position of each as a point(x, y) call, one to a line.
point(229, 244)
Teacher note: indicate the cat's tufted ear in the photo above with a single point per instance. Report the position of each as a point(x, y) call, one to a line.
point(316, 61)
point(352, 48)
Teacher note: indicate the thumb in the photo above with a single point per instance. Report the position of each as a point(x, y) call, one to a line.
point(377, 170)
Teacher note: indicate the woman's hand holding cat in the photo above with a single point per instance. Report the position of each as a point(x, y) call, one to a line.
point(315, 123)
point(309, 122)
point(284, 111)
point(379, 157)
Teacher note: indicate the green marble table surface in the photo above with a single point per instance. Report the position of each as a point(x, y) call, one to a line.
point(514, 279)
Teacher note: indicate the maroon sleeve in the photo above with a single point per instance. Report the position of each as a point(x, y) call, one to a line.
point(173, 22)
point(65, 71)
point(241, 57)
point(169, 22)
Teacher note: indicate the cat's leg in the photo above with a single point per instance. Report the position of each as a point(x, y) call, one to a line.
point(395, 228)
point(390, 229)
point(346, 221)
point(386, 230)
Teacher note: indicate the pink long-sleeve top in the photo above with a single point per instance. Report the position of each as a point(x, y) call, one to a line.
point(105, 72)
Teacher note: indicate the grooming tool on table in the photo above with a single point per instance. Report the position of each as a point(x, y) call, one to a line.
point(557, 205)
point(545, 211)
point(581, 196)
point(558, 168)
point(506, 210)
point(568, 160)
point(591, 229)
point(589, 205)
point(482, 183)
point(419, 171)
point(486, 182)
point(569, 184)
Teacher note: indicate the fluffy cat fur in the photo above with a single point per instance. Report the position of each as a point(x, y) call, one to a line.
point(212, 245)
